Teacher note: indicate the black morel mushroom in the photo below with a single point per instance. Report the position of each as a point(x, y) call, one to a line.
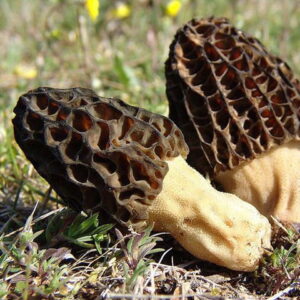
point(238, 107)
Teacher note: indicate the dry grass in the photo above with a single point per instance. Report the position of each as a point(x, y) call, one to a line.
point(131, 265)
point(54, 43)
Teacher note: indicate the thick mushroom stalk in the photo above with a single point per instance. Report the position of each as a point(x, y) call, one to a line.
point(271, 182)
point(238, 107)
point(102, 154)
point(214, 226)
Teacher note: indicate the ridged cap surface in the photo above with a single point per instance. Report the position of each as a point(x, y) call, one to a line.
point(231, 98)
point(97, 153)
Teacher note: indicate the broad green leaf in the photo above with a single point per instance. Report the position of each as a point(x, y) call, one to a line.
point(80, 226)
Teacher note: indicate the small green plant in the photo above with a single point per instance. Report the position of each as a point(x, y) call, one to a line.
point(288, 259)
point(29, 271)
point(138, 246)
point(282, 268)
point(78, 229)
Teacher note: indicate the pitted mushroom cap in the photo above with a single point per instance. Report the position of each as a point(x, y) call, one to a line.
point(97, 153)
point(231, 98)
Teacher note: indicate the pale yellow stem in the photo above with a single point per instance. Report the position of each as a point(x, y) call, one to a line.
point(270, 182)
point(212, 225)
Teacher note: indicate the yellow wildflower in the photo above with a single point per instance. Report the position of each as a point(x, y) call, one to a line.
point(25, 72)
point(172, 8)
point(121, 11)
point(92, 7)
point(55, 33)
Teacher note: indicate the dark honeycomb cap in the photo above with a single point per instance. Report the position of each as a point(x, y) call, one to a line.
point(231, 98)
point(97, 153)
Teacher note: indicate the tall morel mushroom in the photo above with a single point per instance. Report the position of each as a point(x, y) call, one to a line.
point(238, 107)
point(102, 154)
